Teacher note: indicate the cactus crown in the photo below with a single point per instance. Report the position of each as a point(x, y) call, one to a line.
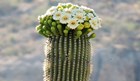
point(66, 17)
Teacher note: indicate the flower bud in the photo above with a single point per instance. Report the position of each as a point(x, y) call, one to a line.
point(58, 22)
point(41, 20)
point(38, 27)
point(44, 32)
point(78, 34)
point(80, 27)
point(44, 27)
point(88, 11)
point(86, 18)
point(39, 31)
point(48, 32)
point(86, 31)
point(61, 8)
point(69, 5)
point(54, 31)
point(67, 28)
point(89, 30)
point(50, 17)
point(49, 22)
point(45, 22)
point(54, 24)
point(87, 24)
point(93, 35)
point(59, 26)
point(65, 32)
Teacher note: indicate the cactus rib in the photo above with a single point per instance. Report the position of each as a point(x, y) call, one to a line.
point(68, 59)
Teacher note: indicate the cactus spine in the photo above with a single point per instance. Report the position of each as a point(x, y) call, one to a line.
point(68, 59)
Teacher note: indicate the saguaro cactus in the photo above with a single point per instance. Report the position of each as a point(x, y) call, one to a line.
point(67, 49)
point(68, 60)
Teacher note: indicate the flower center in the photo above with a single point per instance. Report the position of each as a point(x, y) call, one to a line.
point(58, 15)
point(79, 17)
point(93, 23)
point(65, 18)
point(73, 23)
point(51, 10)
point(68, 11)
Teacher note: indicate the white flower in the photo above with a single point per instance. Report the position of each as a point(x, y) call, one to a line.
point(72, 24)
point(65, 18)
point(41, 16)
point(79, 17)
point(68, 11)
point(76, 6)
point(57, 15)
point(90, 15)
point(95, 22)
point(77, 10)
point(86, 8)
point(51, 10)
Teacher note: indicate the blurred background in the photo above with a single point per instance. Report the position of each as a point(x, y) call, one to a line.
point(116, 49)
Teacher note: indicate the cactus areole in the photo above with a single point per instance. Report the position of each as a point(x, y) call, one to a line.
point(68, 28)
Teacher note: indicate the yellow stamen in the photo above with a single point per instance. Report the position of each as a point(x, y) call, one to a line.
point(65, 18)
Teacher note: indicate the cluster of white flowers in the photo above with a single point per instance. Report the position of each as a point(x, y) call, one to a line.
point(73, 15)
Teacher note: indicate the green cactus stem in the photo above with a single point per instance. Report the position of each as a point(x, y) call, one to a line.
point(68, 58)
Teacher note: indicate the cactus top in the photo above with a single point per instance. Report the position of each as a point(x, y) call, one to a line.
point(67, 17)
